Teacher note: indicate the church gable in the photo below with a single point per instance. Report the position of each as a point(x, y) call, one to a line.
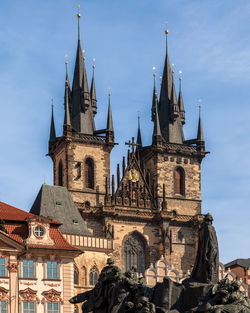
point(133, 189)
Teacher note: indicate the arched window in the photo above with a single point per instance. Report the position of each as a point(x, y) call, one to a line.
point(134, 253)
point(60, 174)
point(83, 276)
point(89, 173)
point(93, 276)
point(179, 181)
point(76, 276)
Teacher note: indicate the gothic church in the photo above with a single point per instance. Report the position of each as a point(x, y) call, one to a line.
point(150, 210)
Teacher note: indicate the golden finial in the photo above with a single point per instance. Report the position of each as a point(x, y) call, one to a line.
point(199, 105)
point(109, 92)
point(83, 51)
point(180, 73)
point(78, 14)
point(153, 70)
point(66, 56)
point(161, 80)
point(173, 68)
point(93, 63)
point(166, 31)
point(52, 104)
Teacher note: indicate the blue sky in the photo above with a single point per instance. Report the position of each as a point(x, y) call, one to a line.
point(208, 40)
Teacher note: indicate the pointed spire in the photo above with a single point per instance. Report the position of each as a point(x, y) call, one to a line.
point(66, 113)
point(154, 99)
point(82, 118)
point(138, 140)
point(93, 92)
point(110, 127)
point(180, 102)
point(200, 137)
point(52, 137)
point(157, 129)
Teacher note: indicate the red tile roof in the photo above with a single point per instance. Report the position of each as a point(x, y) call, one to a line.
point(17, 227)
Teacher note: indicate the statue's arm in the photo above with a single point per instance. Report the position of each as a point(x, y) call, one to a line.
point(80, 297)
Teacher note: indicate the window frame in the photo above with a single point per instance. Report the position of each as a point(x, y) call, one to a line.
point(28, 302)
point(22, 269)
point(181, 182)
point(92, 272)
point(52, 311)
point(6, 272)
point(6, 302)
point(57, 270)
point(89, 165)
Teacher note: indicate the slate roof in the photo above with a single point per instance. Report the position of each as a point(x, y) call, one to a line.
point(55, 202)
point(240, 262)
point(17, 227)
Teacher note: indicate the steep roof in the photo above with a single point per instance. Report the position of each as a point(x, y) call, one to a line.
point(17, 228)
point(240, 262)
point(55, 202)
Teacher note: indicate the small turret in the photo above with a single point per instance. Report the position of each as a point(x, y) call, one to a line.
point(52, 137)
point(110, 127)
point(180, 103)
point(138, 139)
point(154, 100)
point(93, 92)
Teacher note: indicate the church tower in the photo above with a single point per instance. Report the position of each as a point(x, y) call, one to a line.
point(81, 156)
point(150, 213)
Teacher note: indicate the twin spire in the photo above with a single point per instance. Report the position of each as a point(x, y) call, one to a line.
point(80, 103)
point(168, 113)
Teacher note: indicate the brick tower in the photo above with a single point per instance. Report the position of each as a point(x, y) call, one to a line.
point(81, 157)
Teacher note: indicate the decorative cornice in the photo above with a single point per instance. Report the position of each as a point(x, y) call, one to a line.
point(4, 294)
point(29, 295)
point(52, 296)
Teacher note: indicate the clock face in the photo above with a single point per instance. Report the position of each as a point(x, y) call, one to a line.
point(39, 231)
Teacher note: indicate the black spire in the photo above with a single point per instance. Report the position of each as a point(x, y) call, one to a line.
point(110, 127)
point(157, 129)
point(66, 113)
point(81, 114)
point(154, 100)
point(93, 92)
point(171, 127)
point(200, 137)
point(52, 137)
point(180, 104)
point(138, 140)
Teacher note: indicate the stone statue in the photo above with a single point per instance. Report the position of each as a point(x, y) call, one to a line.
point(206, 267)
point(166, 238)
point(117, 292)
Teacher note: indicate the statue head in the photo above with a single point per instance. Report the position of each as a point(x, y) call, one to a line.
point(110, 261)
point(208, 218)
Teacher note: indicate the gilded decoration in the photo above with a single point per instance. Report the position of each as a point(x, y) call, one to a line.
point(52, 296)
point(133, 175)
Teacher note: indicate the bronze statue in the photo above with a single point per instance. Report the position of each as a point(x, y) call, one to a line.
point(117, 292)
point(206, 267)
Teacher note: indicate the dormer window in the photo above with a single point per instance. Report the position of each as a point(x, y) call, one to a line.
point(39, 231)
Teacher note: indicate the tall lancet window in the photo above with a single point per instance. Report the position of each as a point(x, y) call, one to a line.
point(60, 174)
point(134, 253)
point(89, 173)
point(179, 181)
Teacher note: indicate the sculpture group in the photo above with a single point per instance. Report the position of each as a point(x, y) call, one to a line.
point(117, 292)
